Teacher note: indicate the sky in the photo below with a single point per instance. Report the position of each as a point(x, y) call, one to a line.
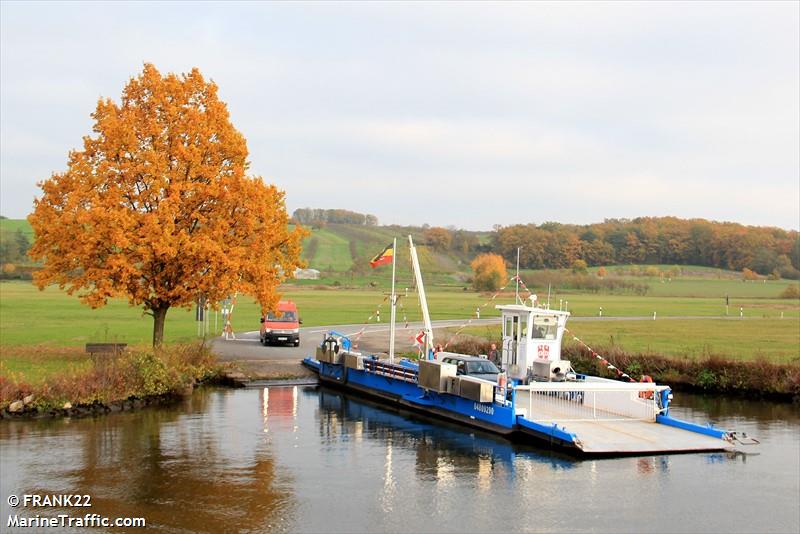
point(448, 114)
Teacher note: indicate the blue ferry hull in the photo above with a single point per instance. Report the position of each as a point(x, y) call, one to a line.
point(497, 417)
point(487, 416)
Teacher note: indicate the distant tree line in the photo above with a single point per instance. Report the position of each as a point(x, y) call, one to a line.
point(316, 217)
point(653, 240)
point(764, 251)
point(450, 240)
point(14, 248)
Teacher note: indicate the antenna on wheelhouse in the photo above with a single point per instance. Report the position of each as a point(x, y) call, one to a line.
point(516, 279)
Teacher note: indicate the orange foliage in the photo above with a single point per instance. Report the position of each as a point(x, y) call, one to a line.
point(438, 238)
point(157, 206)
point(489, 272)
point(747, 274)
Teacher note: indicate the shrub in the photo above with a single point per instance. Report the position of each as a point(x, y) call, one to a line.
point(652, 271)
point(562, 281)
point(706, 379)
point(790, 292)
point(133, 374)
point(579, 266)
point(747, 274)
point(489, 272)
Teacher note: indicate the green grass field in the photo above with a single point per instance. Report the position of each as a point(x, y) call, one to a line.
point(775, 340)
point(630, 305)
point(36, 363)
point(29, 316)
point(10, 226)
point(699, 287)
point(333, 252)
point(42, 332)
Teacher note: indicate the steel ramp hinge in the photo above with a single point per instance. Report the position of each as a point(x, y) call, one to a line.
point(742, 438)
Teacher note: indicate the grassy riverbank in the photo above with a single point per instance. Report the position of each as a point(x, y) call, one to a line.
point(42, 333)
point(51, 382)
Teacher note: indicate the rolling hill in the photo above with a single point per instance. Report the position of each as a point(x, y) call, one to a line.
point(343, 251)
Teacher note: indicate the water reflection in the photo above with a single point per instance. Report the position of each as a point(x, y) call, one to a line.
point(649, 465)
point(316, 460)
point(762, 416)
point(440, 448)
point(156, 464)
point(279, 408)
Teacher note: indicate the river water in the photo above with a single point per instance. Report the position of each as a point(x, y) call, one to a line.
point(306, 459)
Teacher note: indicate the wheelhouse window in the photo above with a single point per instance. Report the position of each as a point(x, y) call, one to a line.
point(511, 327)
point(545, 327)
point(508, 327)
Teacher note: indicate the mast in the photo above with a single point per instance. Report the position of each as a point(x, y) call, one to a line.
point(394, 302)
point(423, 303)
point(516, 279)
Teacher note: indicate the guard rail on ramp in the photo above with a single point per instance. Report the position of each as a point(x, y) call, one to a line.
point(609, 418)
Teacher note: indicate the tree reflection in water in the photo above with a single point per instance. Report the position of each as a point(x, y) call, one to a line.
point(180, 469)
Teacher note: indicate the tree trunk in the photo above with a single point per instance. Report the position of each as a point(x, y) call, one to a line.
point(159, 316)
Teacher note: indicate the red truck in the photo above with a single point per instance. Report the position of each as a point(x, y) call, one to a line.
point(281, 325)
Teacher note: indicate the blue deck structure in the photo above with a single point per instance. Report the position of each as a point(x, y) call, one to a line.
point(587, 415)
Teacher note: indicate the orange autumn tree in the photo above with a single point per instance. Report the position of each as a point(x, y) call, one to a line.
point(158, 207)
point(489, 272)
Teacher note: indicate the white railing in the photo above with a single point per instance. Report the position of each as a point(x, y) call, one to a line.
point(551, 402)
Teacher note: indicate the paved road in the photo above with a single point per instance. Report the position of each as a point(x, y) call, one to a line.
point(246, 346)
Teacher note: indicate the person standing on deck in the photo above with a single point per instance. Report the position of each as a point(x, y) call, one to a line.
point(494, 355)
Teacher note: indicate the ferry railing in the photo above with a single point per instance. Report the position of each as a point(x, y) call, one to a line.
point(573, 401)
point(391, 370)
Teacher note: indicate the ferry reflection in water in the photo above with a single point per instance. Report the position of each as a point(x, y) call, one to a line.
point(309, 459)
point(457, 468)
point(441, 448)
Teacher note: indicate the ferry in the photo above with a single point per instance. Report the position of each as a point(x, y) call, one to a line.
point(536, 397)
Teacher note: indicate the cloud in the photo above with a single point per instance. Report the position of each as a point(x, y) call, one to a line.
point(468, 114)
